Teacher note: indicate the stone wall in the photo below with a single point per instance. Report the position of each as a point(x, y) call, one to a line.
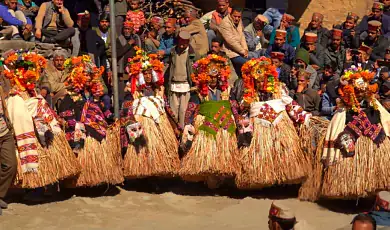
point(334, 11)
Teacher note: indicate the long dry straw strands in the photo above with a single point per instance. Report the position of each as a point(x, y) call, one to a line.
point(63, 157)
point(46, 175)
point(159, 157)
point(311, 188)
point(274, 157)
point(360, 175)
point(101, 162)
point(210, 155)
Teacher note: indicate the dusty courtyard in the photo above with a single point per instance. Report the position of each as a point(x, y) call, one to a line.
point(189, 210)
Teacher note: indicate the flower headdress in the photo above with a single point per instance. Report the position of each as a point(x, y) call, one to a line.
point(140, 63)
point(356, 82)
point(259, 69)
point(84, 74)
point(208, 67)
point(23, 69)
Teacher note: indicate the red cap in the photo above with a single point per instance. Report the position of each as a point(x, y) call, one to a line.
point(171, 20)
point(311, 37)
point(374, 25)
point(280, 34)
point(84, 14)
point(336, 33)
point(365, 49)
point(277, 55)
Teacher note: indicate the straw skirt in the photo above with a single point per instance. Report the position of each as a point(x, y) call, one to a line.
point(274, 156)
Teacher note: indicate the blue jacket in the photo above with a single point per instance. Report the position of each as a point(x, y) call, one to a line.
point(327, 106)
point(292, 38)
point(363, 26)
point(166, 44)
point(8, 18)
point(288, 50)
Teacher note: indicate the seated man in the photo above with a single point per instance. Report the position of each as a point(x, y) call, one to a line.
point(335, 53)
point(255, 38)
point(376, 40)
point(13, 22)
point(292, 32)
point(280, 45)
point(315, 49)
point(302, 62)
point(53, 23)
point(29, 8)
point(376, 14)
point(315, 26)
point(307, 97)
point(54, 76)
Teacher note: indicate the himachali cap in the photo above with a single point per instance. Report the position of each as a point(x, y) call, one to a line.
point(353, 16)
point(277, 55)
point(378, 6)
point(280, 33)
point(171, 20)
point(288, 18)
point(336, 33)
point(184, 35)
point(374, 25)
point(318, 16)
point(280, 211)
point(262, 18)
point(311, 37)
point(382, 202)
point(365, 49)
point(82, 15)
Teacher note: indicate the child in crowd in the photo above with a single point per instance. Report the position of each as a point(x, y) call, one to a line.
point(135, 15)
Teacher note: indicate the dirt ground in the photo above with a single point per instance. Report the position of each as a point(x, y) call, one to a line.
point(182, 206)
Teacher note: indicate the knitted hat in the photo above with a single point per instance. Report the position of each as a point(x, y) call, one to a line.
point(302, 55)
point(104, 17)
point(279, 210)
point(378, 6)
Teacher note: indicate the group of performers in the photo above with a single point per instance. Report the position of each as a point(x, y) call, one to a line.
point(254, 133)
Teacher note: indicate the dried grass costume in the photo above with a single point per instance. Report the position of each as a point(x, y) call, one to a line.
point(44, 155)
point(275, 155)
point(96, 145)
point(152, 147)
point(209, 135)
point(355, 153)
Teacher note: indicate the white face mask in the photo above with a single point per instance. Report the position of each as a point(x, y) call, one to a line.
point(134, 131)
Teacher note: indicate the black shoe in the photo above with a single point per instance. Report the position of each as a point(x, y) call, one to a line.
point(3, 205)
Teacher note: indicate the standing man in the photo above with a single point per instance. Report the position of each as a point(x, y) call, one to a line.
point(335, 52)
point(7, 150)
point(315, 26)
point(217, 16)
point(53, 23)
point(199, 40)
point(254, 36)
point(167, 40)
point(235, 46)
point(179, 81)
point(292, 36)
point(280, 45)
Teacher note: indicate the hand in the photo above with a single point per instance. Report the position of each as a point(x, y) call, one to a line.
point(1, 21)
point(246, 54)
point(132, 42)
point(353, 33)
point(316, 67)
point(161, 53)
point(28, 27)
point(61, 9)
point(22, 8)
point(348, 55)
point(259, 33)
point(38, 34)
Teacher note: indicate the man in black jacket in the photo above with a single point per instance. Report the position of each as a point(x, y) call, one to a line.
point(376, 41)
